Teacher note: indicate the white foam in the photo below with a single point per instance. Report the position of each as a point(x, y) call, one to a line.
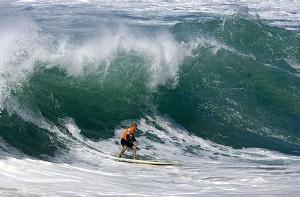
point(19, 49)
point(174, 143)
point(163, 53)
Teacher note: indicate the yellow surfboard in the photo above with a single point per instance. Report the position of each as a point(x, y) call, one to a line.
point(146, 162)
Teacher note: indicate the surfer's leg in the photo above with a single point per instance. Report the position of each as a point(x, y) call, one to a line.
point(122, 151)
point(134, 152)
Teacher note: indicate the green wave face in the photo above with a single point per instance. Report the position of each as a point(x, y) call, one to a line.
point(243, 94)
point(238, 86)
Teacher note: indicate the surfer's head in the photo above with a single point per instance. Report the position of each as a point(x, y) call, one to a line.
point(134, 125)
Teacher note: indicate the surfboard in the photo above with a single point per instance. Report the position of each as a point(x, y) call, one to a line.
point(146, 162)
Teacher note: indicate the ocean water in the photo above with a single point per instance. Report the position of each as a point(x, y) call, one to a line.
point(212, 85)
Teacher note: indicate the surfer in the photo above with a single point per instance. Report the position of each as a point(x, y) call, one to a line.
point(128, 140)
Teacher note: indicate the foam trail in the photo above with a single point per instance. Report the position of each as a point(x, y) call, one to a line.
point(160, 138)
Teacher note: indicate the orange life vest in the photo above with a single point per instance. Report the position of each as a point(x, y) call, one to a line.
point(128, 132)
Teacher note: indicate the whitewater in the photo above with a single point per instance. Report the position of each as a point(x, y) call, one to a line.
point(212, 85)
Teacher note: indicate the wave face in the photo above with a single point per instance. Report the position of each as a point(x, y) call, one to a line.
point(233, 81)
point(241, 88)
